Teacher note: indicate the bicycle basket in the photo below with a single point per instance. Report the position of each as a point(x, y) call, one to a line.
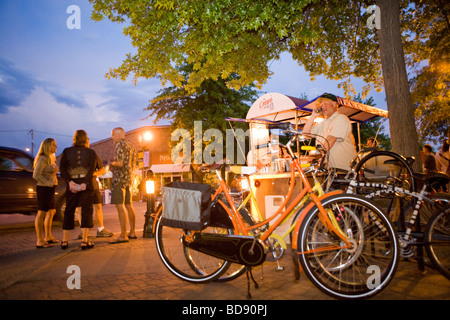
point(186, 205)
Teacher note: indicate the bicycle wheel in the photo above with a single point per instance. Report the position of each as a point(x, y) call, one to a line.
point(427, 210)
point(383, 167)
point(352, 273)
point(438, 240)
point(188, 265)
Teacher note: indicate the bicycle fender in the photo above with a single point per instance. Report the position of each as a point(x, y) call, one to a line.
point(303, 214)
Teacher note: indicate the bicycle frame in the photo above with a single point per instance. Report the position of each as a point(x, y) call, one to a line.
point(326, 219)
point(317, 188)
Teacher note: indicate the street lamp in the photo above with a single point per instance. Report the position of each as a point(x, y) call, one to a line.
point(150, 190)
point(148, 136)
point(150, 186)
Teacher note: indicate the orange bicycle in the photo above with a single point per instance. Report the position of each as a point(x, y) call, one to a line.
point(345, 244)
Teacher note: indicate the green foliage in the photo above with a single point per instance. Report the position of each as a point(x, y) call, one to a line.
point(218, 38)
point(372, 129)
point(211, 103)
point(331, 38)
point(223, 37)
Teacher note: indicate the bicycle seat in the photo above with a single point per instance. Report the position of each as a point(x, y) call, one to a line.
point(430, 178)
point(409, 161)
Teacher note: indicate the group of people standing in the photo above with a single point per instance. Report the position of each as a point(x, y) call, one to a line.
point(79, 167)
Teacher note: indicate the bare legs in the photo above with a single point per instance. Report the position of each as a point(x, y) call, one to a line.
point(48, 221)
point(39, 226)
point(43, 226)
point(123, 212)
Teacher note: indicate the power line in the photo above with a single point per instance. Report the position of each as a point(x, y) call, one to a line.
point(43, 132)
point(54, 134)
point(14, 130)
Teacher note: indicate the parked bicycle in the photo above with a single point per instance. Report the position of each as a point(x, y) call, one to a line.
point(346, 245)
point(422, 217)
point(277, 243)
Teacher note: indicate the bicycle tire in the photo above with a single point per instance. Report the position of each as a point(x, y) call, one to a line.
point(377, 167)
point(366, 268)
point(172, 252)
point(437, 237)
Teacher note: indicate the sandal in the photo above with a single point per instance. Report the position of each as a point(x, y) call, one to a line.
point(43, 246)
point(87, 245)
point(64, 244)
point(118, 240)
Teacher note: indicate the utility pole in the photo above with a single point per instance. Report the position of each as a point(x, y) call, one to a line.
point(32, 141)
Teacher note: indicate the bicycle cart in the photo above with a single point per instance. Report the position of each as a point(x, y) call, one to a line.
point(271, 182)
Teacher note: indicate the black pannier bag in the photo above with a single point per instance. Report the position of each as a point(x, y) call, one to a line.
point(186, 205)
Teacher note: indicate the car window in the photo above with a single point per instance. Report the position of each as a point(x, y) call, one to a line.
point(7, 164)
point(26, 163)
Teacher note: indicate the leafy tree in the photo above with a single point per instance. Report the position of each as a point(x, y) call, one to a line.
point(427, 26)
point(224, 37)
point(211, 103)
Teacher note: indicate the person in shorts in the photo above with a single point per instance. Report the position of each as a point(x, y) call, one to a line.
point(44, 174)
point(123, 165)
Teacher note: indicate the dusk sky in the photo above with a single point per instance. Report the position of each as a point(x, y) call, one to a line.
point(52, 78)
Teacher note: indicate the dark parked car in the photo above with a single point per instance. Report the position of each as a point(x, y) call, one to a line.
point(17, 187)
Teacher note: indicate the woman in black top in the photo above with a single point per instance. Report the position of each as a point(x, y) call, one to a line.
point(78, 166)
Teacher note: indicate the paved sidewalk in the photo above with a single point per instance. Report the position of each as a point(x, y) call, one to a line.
point(134, 271)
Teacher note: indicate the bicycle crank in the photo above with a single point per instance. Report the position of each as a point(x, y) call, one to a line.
point(405, 245)
point(275, 249)
point(243, 250)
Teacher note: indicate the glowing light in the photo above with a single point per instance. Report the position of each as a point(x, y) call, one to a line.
point(150, 186)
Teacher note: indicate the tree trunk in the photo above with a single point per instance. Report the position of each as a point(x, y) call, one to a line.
point(401, 113)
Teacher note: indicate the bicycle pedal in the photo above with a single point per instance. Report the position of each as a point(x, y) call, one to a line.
point(279, 268)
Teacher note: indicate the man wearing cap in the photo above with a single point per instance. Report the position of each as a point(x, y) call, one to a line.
point(335, 132)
